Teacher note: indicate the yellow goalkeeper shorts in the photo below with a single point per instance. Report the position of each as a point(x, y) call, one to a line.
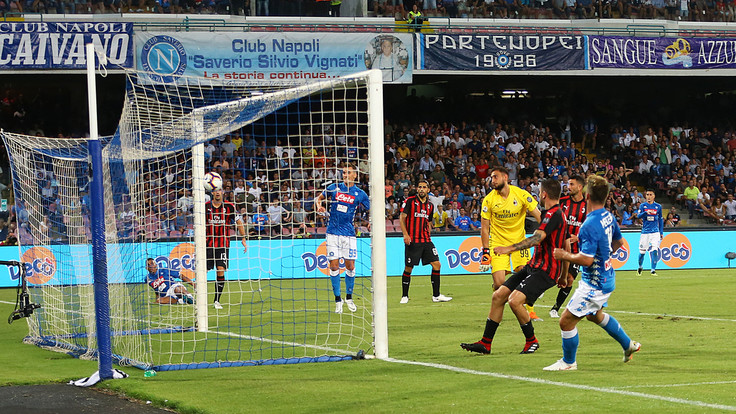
point(509, 262)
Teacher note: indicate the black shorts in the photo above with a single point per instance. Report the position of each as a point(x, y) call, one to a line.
point(217, 257)
point(531, 282)
point(424, 251)
point(573, 270)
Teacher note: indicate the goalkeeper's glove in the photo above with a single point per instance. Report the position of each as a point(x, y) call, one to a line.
point(485, 260)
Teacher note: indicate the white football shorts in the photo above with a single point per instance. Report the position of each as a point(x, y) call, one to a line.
point(587, 300)
point(649, 242)
point(341, 247)
point(171, 293)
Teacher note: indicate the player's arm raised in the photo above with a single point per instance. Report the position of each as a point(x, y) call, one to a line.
point(530, 241)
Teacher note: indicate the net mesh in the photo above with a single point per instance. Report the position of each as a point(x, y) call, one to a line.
point(277, 147)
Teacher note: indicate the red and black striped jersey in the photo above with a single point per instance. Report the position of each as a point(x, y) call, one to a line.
point(418, 218)
point(553, 225)
point(219, 221)
point(574, 212)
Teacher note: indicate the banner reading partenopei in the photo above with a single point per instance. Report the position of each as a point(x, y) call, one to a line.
point(243, 57)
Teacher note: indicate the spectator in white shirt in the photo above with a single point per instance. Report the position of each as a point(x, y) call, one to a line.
point(645, 165)
point(514, 146)
point(209, 149)
point(426, 164)
point(730, 205)
point(228, 146)
point(541, 145)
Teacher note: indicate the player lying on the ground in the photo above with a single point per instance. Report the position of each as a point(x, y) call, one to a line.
point(164, 283)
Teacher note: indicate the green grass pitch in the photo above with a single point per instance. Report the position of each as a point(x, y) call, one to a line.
point(685, 320)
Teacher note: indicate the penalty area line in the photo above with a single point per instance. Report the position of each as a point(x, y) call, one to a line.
point(689, 384)
point(566, 385)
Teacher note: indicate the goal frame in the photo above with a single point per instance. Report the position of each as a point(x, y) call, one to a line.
point(377, 216)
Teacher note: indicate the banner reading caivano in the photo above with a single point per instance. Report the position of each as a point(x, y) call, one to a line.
point(243, 57)
point(60, 45)
point(481, 52)
point(661, 53)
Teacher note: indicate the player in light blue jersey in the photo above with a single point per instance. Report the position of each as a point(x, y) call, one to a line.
point(598, 238)
point(652, 231)
point(341, 241)
point(164, 282)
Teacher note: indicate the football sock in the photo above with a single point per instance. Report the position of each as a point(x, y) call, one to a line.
point(405, 282)
point(349, 283)
point(613, 328)
point(528, 330)
point(435, 278)
point(335, 279)
point(641, 260)
point(490, 330)
point(654, 255)
point(570, 342)
point(489, 333)
point(219, 287)
point(561, 296)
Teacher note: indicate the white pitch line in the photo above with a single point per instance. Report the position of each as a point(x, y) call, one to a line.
point(567, 385)
point(674, 385)
point(665, 315)
point(276, 341)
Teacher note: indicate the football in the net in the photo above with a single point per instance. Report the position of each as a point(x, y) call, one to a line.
point(212, 181)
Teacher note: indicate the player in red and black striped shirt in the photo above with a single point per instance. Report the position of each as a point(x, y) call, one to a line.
point(573, 208)
point(416, 224)
point(540, 274)
point(220, 216)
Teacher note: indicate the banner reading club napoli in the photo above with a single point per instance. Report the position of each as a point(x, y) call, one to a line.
point(500, 52)
point(661, 53)
point(47, 45)
point(243, 57)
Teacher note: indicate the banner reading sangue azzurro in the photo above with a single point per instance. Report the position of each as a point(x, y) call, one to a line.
point(661, 53)
point(500, 52)
point(242, 57)
point(47, 45)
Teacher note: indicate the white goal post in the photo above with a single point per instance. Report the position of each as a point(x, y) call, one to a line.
point(277, 304)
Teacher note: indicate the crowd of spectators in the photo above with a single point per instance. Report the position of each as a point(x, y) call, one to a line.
point(689, 10)
point(274, 186)
point(689, 168)
point(273, 182)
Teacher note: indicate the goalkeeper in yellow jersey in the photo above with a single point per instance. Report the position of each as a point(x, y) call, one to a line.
point(503, 213)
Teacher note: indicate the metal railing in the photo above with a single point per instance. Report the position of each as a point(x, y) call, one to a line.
point(441, 25)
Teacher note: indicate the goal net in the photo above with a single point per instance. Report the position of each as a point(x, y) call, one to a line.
point(277, 147)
